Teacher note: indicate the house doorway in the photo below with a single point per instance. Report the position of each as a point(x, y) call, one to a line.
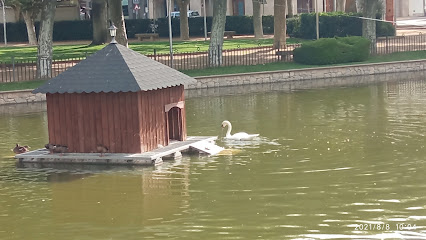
point(175, 122)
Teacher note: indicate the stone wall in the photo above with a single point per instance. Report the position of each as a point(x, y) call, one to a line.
point(292, 79)
point(21, 96)
point(307, 74)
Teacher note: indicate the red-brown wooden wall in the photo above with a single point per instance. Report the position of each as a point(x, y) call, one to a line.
point(124, 122)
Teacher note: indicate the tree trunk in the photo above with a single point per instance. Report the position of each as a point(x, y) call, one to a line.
point(100, 22)
point(369, 8)
point(340, 5)
point(29, 23)
point(290, 8)
point(217, 30)
point(350, 6)
point(184, 27)
point(45, 39)
point(279, 24)
point(17, 11)
point(359, 5)
point(116, 15)
point(257, 20)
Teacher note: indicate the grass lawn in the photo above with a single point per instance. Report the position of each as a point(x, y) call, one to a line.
point(21, 85)
point(402, 56)
point(76, 51)
point(253, 68)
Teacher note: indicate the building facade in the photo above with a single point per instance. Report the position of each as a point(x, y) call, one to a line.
point(157, 8)
point(409, 8)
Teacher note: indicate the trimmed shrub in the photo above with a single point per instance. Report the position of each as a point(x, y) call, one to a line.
point(333, 50)
point(384, 29)
point(134, 26)
point(239, 24)
point(268, 24)
point(336, 24)
point(331, 25)
point(72, 30)
point(293, 26)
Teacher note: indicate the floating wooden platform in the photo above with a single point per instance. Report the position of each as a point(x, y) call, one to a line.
point(201, 144)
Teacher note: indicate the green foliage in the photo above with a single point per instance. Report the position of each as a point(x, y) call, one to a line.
point(307, 26)
point(384, 29)
point(82, 30)
point(331, 25)
point(72, 30)
point(334, 24)
point(293, 26)
point(134, 26)
point(268, 24)
point(11, 86)
point(240, 24)
point(333, 50)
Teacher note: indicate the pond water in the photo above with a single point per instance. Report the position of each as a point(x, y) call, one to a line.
point(336, 163)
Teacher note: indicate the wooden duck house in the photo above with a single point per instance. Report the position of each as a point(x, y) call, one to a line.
point(116, 98)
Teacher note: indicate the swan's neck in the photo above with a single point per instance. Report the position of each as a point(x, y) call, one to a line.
point(228, 132)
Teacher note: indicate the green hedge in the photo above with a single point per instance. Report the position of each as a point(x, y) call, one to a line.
point(82, 30)
point(334, 24)
point(333, 50)
point(331, 25)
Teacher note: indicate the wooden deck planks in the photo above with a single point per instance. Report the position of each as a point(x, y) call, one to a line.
point(42, 155)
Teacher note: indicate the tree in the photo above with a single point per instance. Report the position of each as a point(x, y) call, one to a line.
point(100, 22)
point(280, 23)
point(116, 14)
point(340, 5)
point(29, 10)
point(350, 6)
point(217, 31)
point(16, 9)
point(290, 8)
point(184, 26)
point(45, 39)
point(369, 10)
point(257, 20)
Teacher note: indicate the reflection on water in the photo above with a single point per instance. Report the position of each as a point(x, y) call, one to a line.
point(333, 163)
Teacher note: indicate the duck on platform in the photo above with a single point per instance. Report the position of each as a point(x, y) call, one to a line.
point(20, 149)
point(50, 147)
point(56, 148)
point(60, 149)
point(101, 149)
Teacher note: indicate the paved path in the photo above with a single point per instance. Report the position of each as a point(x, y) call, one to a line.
point(411, 26)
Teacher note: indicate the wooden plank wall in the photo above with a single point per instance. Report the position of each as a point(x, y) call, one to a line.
point(153, 123)
point(82, 121)
point(123, 122)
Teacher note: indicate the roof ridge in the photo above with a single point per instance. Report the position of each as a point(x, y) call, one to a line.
point(115, 68)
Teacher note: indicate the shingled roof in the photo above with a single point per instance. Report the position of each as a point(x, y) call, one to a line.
point(115, 68)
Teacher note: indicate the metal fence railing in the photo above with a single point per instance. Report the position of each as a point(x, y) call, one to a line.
point(230, 57)
point(16, 71)
point(21, 70)
point(387, 45)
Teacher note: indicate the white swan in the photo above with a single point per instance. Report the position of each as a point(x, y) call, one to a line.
point(237, 136)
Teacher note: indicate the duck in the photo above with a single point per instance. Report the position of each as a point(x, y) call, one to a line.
point(50, 147)
point(101, 149)
point(236, 136)
point(60, 149)
point(20, 149)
